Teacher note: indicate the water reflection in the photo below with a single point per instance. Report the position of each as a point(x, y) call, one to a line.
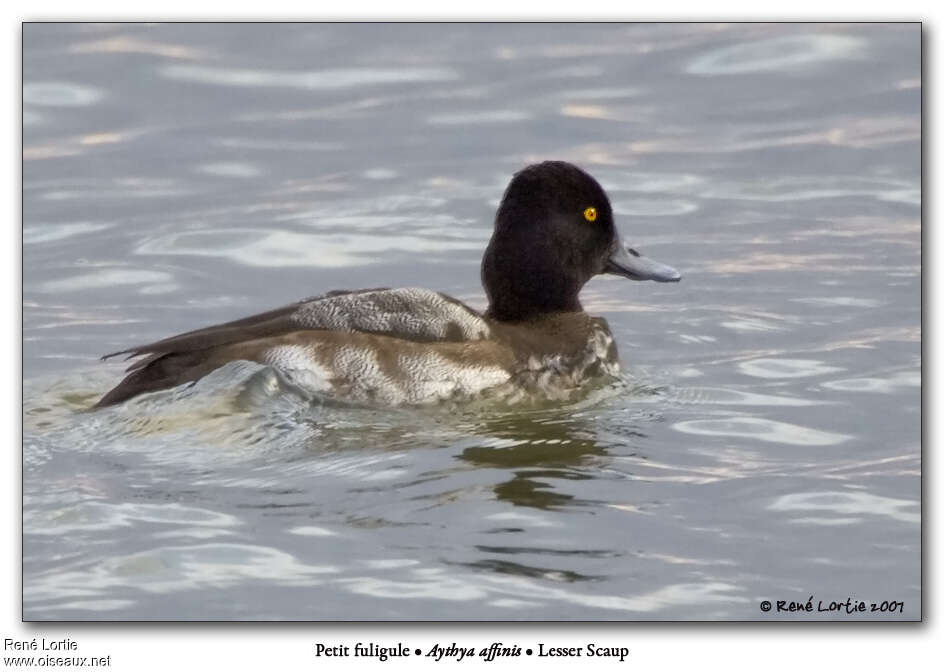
point(176, 568)
point(232, 169)
point(518, 569)
point(49, 232)
point(60, 94)
point(260, 247)
point(855, 503)
point(888, 385)
point(538, 451)
point(136, 45)
point(782, 53)
point(100, 516)
point(785, 368)
point(340, 78)
point(762, 429)
point(479, 117)
point(154, 281)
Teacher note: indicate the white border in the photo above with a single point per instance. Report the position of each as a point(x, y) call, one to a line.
point(653, 647)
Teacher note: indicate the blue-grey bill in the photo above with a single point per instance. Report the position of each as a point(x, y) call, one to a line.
point(630, 264)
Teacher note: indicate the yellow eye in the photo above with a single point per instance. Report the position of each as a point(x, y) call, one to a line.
point(590, 214)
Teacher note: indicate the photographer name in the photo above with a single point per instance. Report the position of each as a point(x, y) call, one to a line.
point(36, 644)
point(847, 606)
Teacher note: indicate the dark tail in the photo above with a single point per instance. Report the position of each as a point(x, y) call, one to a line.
point(158, 374)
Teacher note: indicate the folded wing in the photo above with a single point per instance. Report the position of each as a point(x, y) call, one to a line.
point(418, 315)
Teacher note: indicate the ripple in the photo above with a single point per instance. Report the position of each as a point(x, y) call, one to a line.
point(427, 583)
point(391, 563)
point(96, 605)
point(785, 368)
point(131, 45)
point(650, 182)
point(697, 338)
point(277, 145)
point(229, 169)
point(624, 113)
point(765, 262)
point(522, 591)
point(812, 188)
point(751, 324)
point(311, 531)
point(177, 568)
point(60, 94)
point(848, 131)
point(762, 430)
point(31, 118)
point(846, 503)
point(581, 71)
point(778, 54)
point(157, 281)
point(259, 247)
point(910, 196)
point(672, 595)
point(46, 233)
point(877, 385)
point(720, 395)
point(340, 78)
point(377, 213)
point(850, 301)
point(380, 174)
point(653, 208)
point(531, 519)
point(104, 516)
point(479, 117)
point(118, 189)
point(600, 94)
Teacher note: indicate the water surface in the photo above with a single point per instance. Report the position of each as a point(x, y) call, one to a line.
point(765, 443)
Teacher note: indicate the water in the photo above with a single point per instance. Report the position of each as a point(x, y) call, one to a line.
point(764, 445)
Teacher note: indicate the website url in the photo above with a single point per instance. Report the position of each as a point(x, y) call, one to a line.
point(57, 661)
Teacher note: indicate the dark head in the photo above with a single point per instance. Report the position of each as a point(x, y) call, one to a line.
point(553, 232)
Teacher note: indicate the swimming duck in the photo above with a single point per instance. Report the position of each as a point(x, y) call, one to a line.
point(553, 231)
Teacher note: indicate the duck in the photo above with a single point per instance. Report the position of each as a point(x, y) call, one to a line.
point(554, 230)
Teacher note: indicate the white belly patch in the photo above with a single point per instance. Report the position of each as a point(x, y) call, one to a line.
point(356, 372)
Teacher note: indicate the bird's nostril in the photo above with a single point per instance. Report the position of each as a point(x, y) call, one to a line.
point(633, 252)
